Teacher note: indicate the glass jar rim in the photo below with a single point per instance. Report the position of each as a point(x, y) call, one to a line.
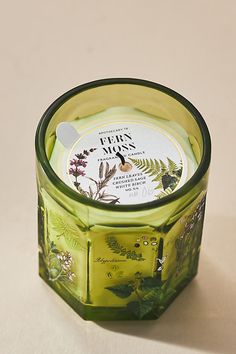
point(65, 189)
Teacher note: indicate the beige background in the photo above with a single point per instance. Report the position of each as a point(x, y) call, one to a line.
point(50, 46)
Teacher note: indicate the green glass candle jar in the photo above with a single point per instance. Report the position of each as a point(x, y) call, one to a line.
point(122, 170)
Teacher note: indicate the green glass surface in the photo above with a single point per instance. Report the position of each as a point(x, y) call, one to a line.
point(114, 262)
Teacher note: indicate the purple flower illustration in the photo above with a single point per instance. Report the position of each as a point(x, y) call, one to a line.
point(76, 172)
point(77, 163)
point(105, 175)
point(82, 163)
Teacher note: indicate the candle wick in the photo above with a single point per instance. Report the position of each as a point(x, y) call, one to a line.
point(121, 158)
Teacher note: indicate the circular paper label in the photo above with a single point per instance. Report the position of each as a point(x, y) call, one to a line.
point(125, 163)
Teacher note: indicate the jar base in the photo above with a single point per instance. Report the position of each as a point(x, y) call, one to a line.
point(99, 313)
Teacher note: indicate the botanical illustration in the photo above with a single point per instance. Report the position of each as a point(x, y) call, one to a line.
point(151, 294)
point(115, 247)
point(167, 176)
point(59, 264)
point(97, 191)
point(144, 297)
point(188, 243)
point(68, 230)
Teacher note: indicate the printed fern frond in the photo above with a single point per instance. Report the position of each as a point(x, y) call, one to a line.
point(172, 165)
point(165, 174)
point(157, 165)
point(164, 193)
point(69, 231)
point(150, 167)
point(115, 247)
point(164, 168)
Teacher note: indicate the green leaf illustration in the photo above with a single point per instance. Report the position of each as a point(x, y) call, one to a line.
point(73, 242)
point(164, 296)
point(164, 193)
point(54, 268)
point(59, 264)
point(152, 293)
point(121, 290)
point(69, 231)
point(115, 247)
point(150, 283)
point(172, 165)
point(141, 308)
point(167, 175)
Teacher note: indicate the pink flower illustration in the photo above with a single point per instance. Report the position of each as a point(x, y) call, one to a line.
point(76, 172)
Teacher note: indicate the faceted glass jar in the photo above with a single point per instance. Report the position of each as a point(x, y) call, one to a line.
point(88, 249)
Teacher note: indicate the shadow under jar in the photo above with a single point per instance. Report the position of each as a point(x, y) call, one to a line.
point(122, 169)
